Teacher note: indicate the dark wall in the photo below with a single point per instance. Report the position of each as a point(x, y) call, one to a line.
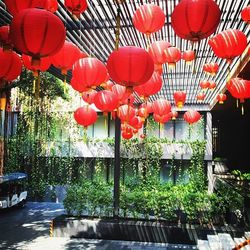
point(233, 134)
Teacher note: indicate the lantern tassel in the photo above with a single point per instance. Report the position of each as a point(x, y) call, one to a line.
point(34, 85)
point(85, 137)
point(161, 130)
point(242, 110)
point(37, 88)
point(237, 103)
point(64, 84)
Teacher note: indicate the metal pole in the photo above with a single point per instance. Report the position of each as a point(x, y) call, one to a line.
point(117, 168)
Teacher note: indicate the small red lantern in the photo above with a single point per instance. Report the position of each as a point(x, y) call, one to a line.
point(11, 65)
point(174, 114)
point(5, 40)
point(192, 116)
point(221, 98)
point(188, 56)
point(161, 107)
point(245, 14)
point(239, 88)
point(15, 6)
point(201, 96)
point(148, 106)
point(136, 122)
point(143, 113)
point(76, 7)
point(204, 84)
point(228, 44)
point(156, 51)
point(66, 57)
point(85, 116)
point(130, 66)
point(125, 112)
point(148, 18)
point(119, 91)
point(212, 85)
point(89, 72)
point(45, 63)
point(44, 31)
point(106, 101)
point(173, 55)
point(89, 96)
point(195, 19)
point(151, 87)
point(179, 98)
point(211, 68)
point(127, 133)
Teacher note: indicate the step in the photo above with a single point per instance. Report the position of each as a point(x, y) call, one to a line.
point(241, 240)
point(226, 241)
point(203, 245)
point(214, 242)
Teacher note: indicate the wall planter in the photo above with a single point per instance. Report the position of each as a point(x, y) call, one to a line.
point(132, 230)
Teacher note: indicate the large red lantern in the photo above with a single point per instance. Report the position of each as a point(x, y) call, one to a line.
point(239, 88)
point(151, 87)
point(188, 56)
point(245, 14)
point(85, 116)
point(179, 98)
point(228, 44)
point(15, 6)
point(211, 68)
point(192, 116)
point(130, 66)
point(156, 51)
point(195, 19)
point(76, 7)
point(162, 118)
point(106, 101)
point(66, 57)
point(89, 72)
point(161, 107)
point(221, 98)
point(173, 55)
point(11, 65)
point(5, 40)
point(37, 33)
point(77, 86)
point(45, 63)
point(149, 18)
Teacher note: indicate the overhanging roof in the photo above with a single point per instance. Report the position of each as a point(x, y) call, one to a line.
point(94, 33)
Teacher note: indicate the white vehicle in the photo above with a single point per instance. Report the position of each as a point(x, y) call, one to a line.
point(12, 190)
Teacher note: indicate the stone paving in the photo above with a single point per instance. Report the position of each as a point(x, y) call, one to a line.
point(28, 229)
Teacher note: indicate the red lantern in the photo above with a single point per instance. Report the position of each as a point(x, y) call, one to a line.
point(51, 5)
point(162, 118)
point(156, 51)
point(173, 55)
point(119, 91)
point(89, 96)
point(108, 85)
point(149, 18)
point(195, 19)
point(125, 112)
point(5, 40)
point(85, 116)
point(148, 106)
point(127, 133)
point(212, 84)
point(76, 7)
point(245, 14)
point(188, 56)
point(142, 136)
point(77, 86)
point(143, 113)
point(136, 122)
point(204, 84)
point(11, 65)
point(151, 87)
point(201, 96)
point(42, 33)
point(161, 107)
point(45, 63)
point(66, 57)
point(211, 68)
point(89, 72)
point(239, 88)
point(106, 101)
point(128, 99)
point(228, 44)
point(179, 98)
point(174, 114)
point(15, 6)
point(221, 98)
point(192, 116)
point(130, 66)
